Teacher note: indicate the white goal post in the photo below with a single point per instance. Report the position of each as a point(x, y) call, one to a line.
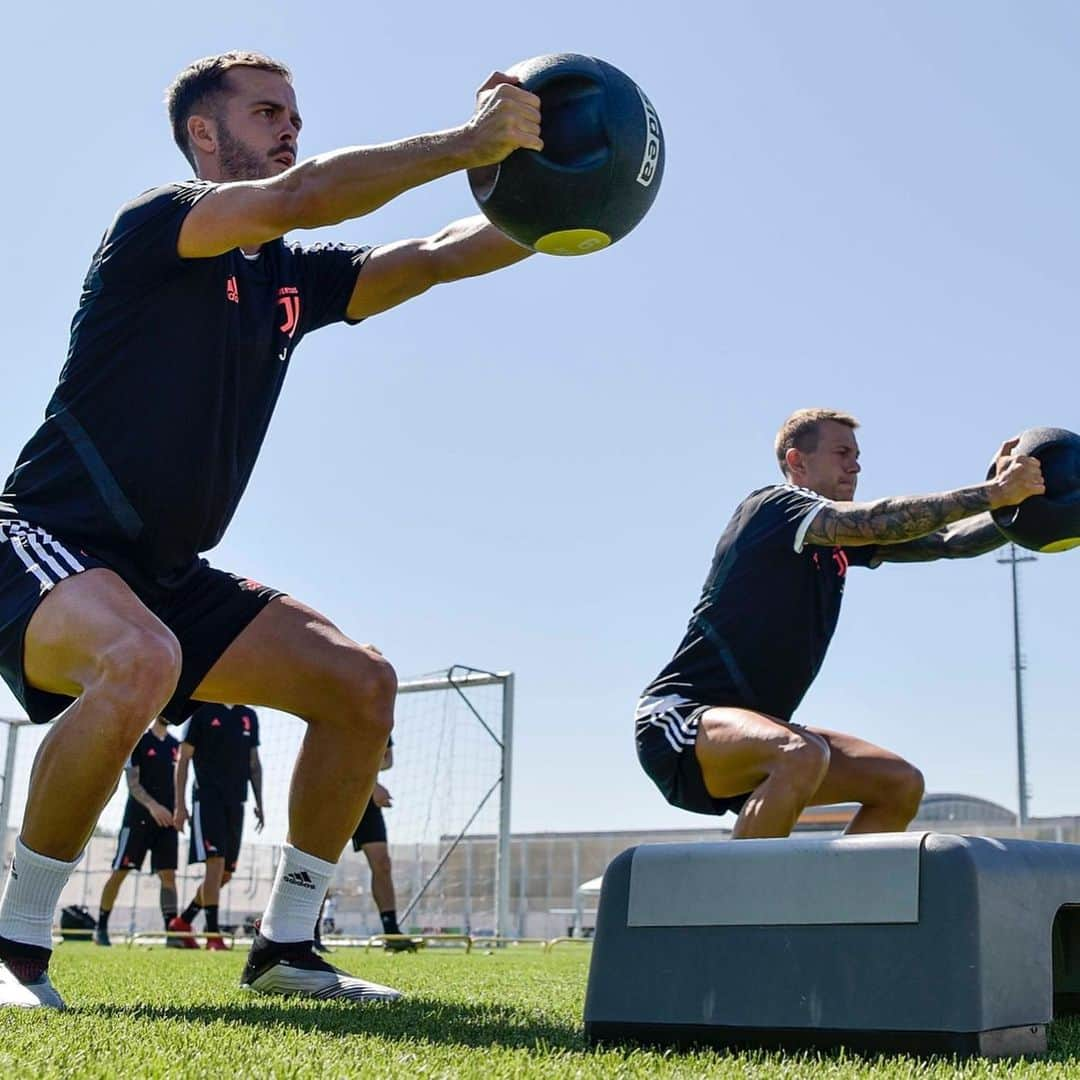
point(458, 681)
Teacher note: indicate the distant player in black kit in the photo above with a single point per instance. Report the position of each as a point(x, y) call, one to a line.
point(715, 729)
point(370, 838)
point(190, 314)
point(148, 824)
point(223, 742)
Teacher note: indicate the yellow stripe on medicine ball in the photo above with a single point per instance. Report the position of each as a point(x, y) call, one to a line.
point(1061, 545)
point(572, 242)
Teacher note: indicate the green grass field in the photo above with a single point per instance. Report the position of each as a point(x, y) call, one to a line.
point(513, 1013)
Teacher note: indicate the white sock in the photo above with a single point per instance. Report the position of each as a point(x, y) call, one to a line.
point(31, 893)
point(299, 887)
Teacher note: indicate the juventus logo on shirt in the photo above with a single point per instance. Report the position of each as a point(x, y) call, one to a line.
point(289, 299)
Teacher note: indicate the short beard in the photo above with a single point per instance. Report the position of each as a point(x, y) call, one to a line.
point(237, 160)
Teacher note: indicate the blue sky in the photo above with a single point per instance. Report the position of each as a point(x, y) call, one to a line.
point(866, 205)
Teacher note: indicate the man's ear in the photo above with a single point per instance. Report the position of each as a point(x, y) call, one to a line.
point(202, 134)
point(793, 459)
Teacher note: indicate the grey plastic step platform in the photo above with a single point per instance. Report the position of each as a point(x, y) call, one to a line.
point(918, 942)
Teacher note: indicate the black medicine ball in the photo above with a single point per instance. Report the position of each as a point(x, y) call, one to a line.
point(599, 171)
point(1049, 522)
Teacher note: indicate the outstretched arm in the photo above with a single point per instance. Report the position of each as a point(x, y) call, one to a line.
point(961, 540)
point(397, 272)
point(344, 184)
point(911, 517)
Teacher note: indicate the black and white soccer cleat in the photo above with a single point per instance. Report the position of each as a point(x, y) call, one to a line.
point(295, 968)
point(36, 993)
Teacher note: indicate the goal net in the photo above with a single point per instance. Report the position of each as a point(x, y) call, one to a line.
point(448, 828)
point(448, 825)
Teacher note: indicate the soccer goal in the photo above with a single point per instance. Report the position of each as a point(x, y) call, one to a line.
point(448, 829)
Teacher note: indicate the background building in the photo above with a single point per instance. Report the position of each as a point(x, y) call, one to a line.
point(547, 871)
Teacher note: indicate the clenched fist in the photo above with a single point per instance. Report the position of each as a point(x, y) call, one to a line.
point(1017, 477)
point(506, 119)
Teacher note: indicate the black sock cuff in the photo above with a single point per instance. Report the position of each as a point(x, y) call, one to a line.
point(19, 950)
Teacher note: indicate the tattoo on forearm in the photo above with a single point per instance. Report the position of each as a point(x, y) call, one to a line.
point(962, 540)
point(894, 521)
point(140, 794)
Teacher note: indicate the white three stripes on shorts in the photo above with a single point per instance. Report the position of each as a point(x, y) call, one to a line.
point(671, 713)
point(47, 559)
point(196, 831)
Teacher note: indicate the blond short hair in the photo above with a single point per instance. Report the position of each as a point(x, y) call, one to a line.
point(801, 430)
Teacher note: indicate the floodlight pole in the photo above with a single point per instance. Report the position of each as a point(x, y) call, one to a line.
point(1018, 677)
point(502, 861)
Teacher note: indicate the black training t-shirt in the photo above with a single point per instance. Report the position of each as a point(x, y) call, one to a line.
point(155, 759)
point(222, 738)
point(173, 370)
point(767, 611)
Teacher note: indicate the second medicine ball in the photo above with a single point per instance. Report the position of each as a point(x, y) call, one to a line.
point(599, 171)
point(1049, 522)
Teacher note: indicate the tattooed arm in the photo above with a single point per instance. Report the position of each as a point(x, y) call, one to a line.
point(961, 540)
point(912, 517)
point(161, 814)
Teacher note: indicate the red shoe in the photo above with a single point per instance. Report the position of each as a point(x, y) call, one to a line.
point(217, 944)
point(181, 926)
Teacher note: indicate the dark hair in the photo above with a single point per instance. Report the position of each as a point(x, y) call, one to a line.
point(801, 431)
point(202, 81)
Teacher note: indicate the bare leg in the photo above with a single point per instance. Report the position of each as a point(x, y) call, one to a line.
point(382, 880)
point(889, 788)
point(168, 895)
point(93, 639)
point(779, 764)
point(293, 659)
point(210, 890)
point(112, 887)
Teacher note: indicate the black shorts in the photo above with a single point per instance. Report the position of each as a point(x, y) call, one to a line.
point(205, 608)
point(143, 836)
point(666, 730)
point(217, 827)
point(372, 827)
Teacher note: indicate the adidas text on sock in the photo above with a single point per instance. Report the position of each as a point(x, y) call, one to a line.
point(299, 887)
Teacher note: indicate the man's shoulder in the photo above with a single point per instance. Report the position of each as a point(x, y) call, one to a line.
point(785, 496)
point(328, 249)
point(152, 201)
point(769, 514)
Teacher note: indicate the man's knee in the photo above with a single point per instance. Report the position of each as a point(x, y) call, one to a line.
point(379, 861)
point(362, 688)
point(803, 758)
point(905, 788)
point(168, 878)
point(375, 679)
point(140, 670)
